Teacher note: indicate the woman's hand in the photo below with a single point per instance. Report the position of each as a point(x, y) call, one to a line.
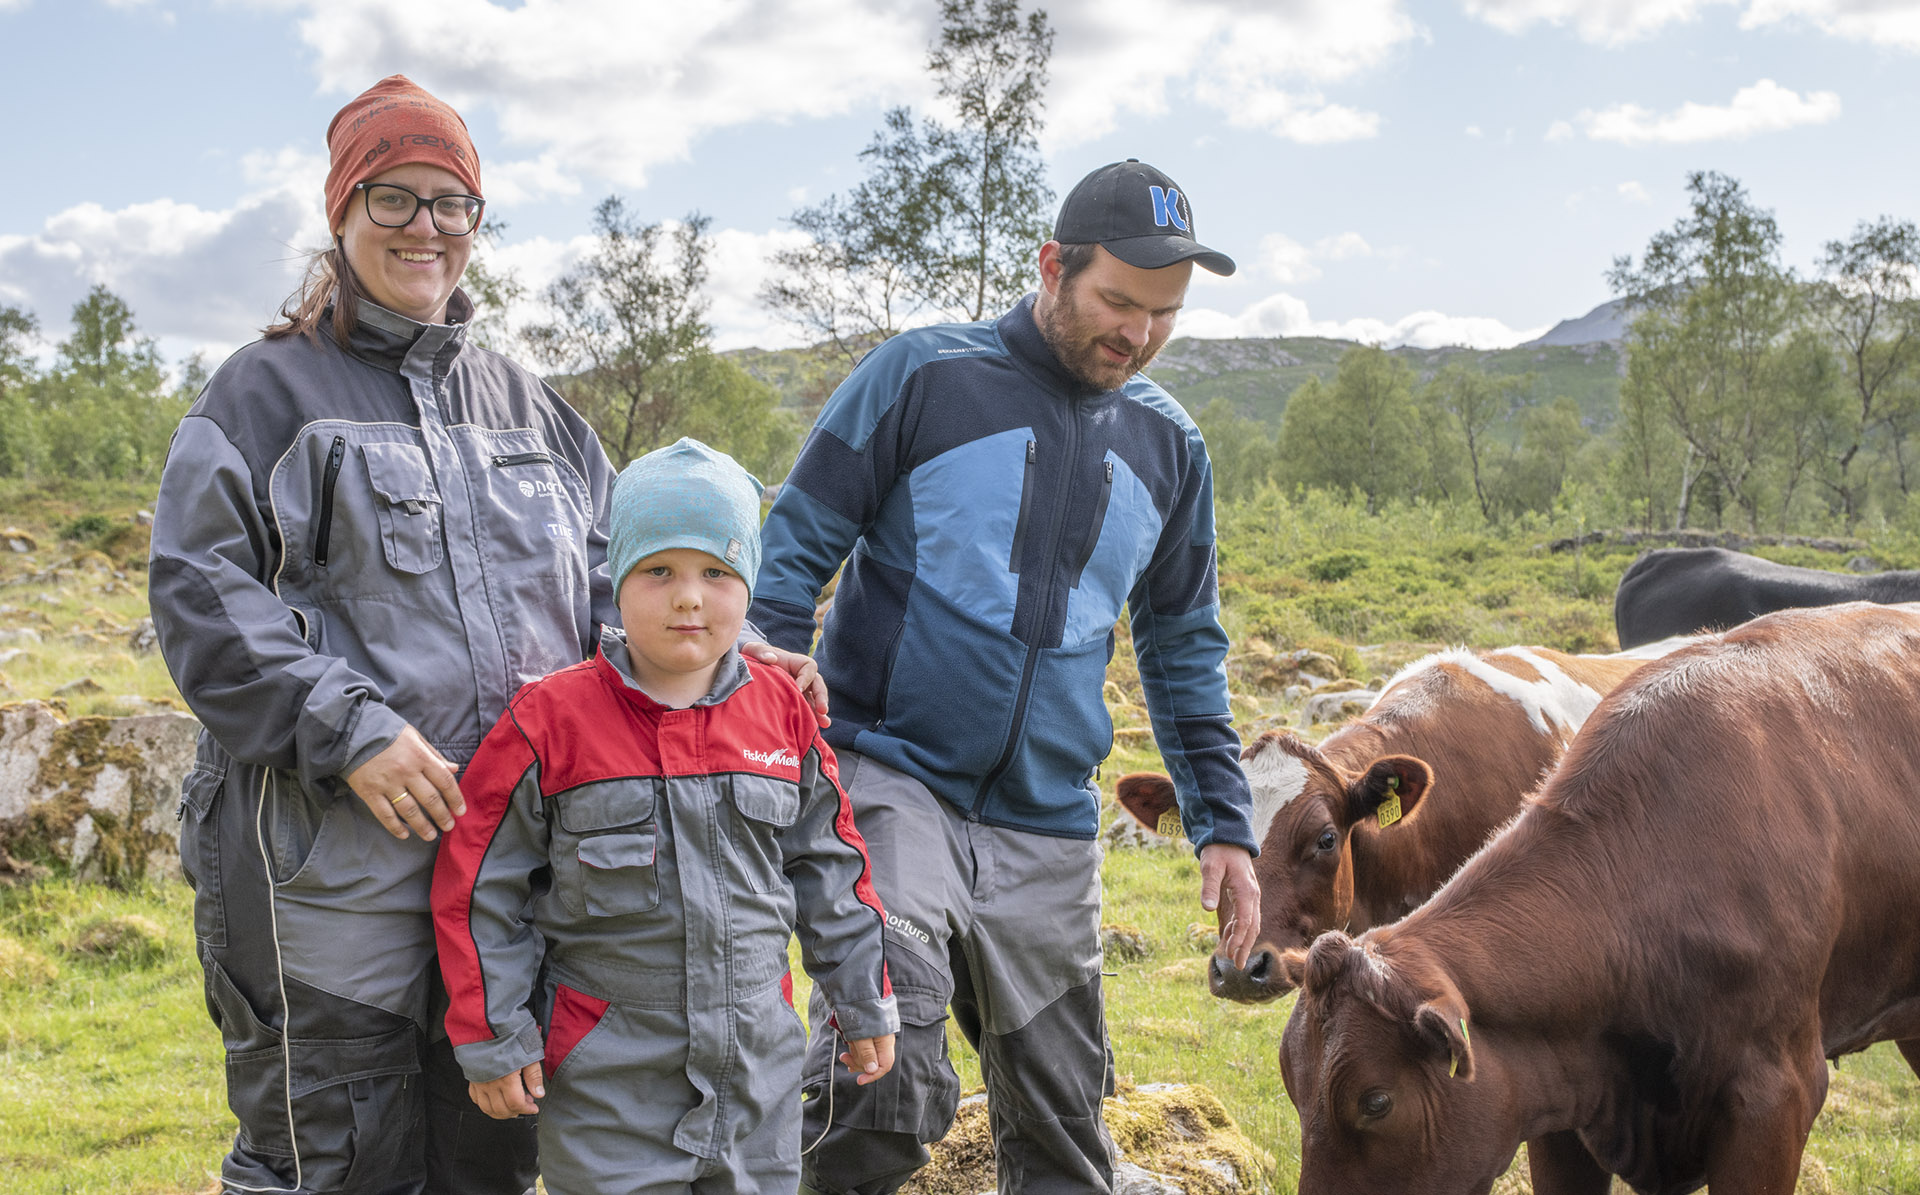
point(805, 674)
point(409, 785)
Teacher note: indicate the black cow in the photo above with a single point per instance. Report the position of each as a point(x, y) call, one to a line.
point(1683, 591)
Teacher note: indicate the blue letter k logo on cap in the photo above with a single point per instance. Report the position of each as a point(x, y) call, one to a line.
point(1166, 207)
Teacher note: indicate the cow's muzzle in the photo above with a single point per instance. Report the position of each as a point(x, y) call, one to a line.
point(1262, 979)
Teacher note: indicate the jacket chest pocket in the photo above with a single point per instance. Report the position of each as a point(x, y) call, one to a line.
point(606, 850)
point(763, 808)
point(407, 504)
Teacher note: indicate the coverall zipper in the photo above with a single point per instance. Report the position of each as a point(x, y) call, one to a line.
point(323, 530)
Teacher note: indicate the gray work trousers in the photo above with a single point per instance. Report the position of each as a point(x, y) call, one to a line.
point(325, 1001)
point(1004, 927)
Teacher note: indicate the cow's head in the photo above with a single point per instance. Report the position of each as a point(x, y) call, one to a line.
point(1379, 1060)
point(1305, 808)
point(1304, 811)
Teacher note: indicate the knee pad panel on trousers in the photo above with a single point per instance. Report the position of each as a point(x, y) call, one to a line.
point(343, 1113)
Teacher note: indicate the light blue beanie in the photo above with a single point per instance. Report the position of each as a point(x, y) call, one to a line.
point(685, 495)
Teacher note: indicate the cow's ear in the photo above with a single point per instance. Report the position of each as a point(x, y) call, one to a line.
point(1293, 966)
point(1391, 788)
point(1444, 1023)
point(1148, 796)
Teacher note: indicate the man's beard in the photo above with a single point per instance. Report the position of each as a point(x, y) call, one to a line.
point(1071, 336)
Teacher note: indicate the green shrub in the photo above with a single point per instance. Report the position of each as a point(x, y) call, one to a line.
point(1337, 566)
point(87, 528)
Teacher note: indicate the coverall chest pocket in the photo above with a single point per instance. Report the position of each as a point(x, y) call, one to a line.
point(763, 808)
point(607, 852)
point(408, 506)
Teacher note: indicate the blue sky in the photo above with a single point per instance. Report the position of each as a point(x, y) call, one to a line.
point(1461, 171)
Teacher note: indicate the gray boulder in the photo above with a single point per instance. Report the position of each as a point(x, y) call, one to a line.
point(96, 795)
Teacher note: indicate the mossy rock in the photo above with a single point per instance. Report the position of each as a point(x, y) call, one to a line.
point(130, 938)
point(1183, 1131)
point(1203, 937)
point(1124, 943)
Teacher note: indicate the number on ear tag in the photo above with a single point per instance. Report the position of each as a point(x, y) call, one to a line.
point(1389, 811)
point(1169, 826)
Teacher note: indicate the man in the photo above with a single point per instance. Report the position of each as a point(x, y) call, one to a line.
point(999, 491)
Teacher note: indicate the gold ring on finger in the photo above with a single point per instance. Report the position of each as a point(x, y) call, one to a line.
point(403, 796)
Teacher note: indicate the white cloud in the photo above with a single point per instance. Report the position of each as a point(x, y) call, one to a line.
point(1603, 22)
point(1559, 130)
point(195, 279)
point(1286, 260)
point(1882, 22)
point(1765, 107)
point(1342, 247)
point(613, 89)
point(1633, 192)
point(1473, 130)
point(737, 263)
point(1616, 22)
point(1261, 65)
point(1284, 315)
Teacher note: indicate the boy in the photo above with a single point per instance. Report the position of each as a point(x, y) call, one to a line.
point(644, 831)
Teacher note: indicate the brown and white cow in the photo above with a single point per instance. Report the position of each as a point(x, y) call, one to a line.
point(1646, 973)
point(1482, 728)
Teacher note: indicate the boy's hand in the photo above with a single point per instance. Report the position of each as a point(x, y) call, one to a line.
point(869, 1058)
point(513, 1094)
point(805, 674)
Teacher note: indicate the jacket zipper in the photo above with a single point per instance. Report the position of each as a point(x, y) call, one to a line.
point(1099, 521)
point(323, 532)
point(521, 458)
point(1026, 508)
point(1033, 642)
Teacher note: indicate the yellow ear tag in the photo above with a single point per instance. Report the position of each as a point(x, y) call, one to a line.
point(1453, 1071)
point(1169, 826)
point(1389, 810)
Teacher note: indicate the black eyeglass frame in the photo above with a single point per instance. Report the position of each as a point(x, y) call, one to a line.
point(420, 201)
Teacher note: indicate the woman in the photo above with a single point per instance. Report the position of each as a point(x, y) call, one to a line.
point(369, 535)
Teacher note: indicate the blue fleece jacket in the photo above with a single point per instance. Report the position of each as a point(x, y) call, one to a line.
point(995, 516)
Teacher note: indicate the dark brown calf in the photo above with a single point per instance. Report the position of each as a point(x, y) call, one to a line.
point(1482, 728)
point(1645, 974)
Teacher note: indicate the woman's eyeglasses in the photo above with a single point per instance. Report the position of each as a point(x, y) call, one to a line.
point(394, 207)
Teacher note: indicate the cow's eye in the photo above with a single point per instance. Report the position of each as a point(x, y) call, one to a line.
point(1328, 838)
point(1375, 1104)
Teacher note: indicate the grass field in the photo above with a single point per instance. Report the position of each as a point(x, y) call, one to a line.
point(111, 1073)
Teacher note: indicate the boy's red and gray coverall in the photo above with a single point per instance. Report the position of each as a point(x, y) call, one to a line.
point(643, 868)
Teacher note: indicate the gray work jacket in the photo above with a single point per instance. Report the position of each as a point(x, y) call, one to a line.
point(346, 542)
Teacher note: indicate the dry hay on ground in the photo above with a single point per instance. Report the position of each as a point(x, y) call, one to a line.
point(1178, 1130)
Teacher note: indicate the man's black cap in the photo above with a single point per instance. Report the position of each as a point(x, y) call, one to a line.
point(1137, 214)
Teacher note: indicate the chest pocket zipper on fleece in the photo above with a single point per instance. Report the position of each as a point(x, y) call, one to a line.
point(409, 506)
point(1026, 507)
point(1099, 521)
